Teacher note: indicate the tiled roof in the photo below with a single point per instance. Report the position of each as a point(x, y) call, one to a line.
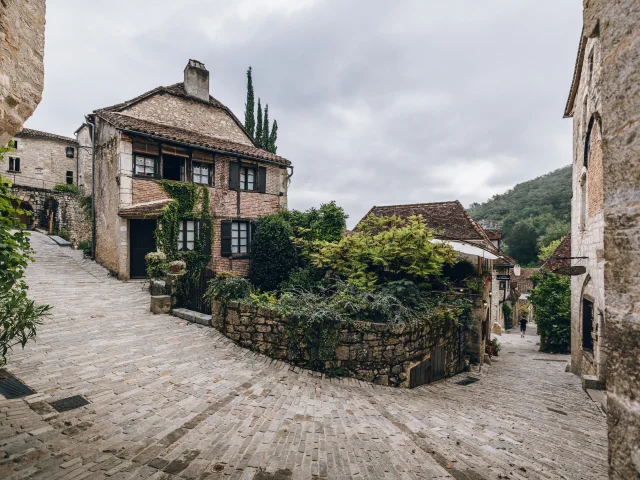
point(560, 259)
point(577, 72)
point(27, 132)
point(145, 210)
point(493, 233)
point(523, 281)
point(448, 220)
point(188, 137)
point(178, 90)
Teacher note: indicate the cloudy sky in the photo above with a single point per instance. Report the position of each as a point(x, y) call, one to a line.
point(377, 102)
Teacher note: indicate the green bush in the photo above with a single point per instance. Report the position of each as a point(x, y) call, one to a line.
point(492, 347)
point(67, 188)
point(227, 287)
point(85, 246)
point(64, 233)
point(305, 277)
point(551, 300)
point(273, 254)
point(327, 223)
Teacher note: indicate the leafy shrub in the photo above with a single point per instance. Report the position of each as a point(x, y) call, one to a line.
point(227, 287)
point(85, 246)
point(382, 249)
point(64, 233)
point(273, 255)
point(156, 265)
point(507, 312)
point(67, 188)
point(492, 347)
point(263, 299)
point(303, 277)
point(551, 300)
point(327, 223)
point(405, 291)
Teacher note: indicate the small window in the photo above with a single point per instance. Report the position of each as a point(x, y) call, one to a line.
point(14, 164)
point(145, 166)
point(240, 233)
point(173, 167)
point(69, 177)
point(202, 173)
point(187, 234)
point(247, 178)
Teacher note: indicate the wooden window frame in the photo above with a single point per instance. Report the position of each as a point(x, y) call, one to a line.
point(198, 164)
point(145, 156)
point(69, 177)
point(12, 164)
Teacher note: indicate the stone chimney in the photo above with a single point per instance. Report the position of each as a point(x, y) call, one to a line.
point(196, 80)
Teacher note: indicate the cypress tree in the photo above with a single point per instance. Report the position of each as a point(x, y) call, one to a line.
point(265, 126)
point(273, 138)
point(258, 135)
point(249, 119)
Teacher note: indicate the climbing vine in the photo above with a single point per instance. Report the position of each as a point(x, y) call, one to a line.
point(189, 202)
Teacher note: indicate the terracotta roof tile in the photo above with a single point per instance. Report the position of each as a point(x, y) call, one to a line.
point(144, 127)
point(493, 233)
point(560, 259)
point(27, 132)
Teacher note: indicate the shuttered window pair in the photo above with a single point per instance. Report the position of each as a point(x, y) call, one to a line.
point(236, 237)
point(189, 231)
point(247, 178)
point(202, 173)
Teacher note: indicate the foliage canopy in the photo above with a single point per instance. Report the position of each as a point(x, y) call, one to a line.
point(551, 299)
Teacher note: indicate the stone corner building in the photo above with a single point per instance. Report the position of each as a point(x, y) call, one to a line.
point(605, 104)
point(179, 133)
point(21, 63)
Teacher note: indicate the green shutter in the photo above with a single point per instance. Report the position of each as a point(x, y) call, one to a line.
point(225, 238)
point(262, 180)
point(234, 175)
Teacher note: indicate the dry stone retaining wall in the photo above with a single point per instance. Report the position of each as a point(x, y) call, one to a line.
point(375, 352)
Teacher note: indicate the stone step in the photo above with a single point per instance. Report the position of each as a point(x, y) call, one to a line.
point(598, 396)
point(60, 241)
point(591, 382)
point(192, 316)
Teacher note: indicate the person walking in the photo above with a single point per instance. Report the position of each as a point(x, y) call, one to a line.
point(523, 325)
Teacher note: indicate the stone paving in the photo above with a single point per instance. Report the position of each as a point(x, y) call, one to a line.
point(171, 399)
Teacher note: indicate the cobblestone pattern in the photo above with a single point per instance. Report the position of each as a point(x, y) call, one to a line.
point(172, 399)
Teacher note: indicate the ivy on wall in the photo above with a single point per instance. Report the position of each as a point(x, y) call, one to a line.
point(190, 202)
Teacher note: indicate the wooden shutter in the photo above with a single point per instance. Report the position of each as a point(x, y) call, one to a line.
point(234, 175)
point(205, 235)
point(225, 238)
point(262, 180)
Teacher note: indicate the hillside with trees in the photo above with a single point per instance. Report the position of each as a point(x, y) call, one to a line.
point(532, 214)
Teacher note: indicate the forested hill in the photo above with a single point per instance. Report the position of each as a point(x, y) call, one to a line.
point(532, 214)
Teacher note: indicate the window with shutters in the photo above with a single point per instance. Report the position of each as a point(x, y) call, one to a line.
point(187, 233)
point(236, 237)
point(247, 178)
point(14, 164)
point(145, 165)
point(202, 173)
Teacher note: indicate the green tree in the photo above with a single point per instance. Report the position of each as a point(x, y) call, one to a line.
point(547, 250)
point(249, 115)
point(521, 242)
point(265, 128)
point(272, 147)
point(382, 249)
point(258, 136)
point(326, 223)
point(551, 300)
point(273, 254)
point(19, 316)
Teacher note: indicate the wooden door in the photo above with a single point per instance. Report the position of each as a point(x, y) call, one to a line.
point(437, 364)
point(141, 242)
point(420, 374)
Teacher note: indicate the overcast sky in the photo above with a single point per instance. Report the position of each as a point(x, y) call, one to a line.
point(377, 102)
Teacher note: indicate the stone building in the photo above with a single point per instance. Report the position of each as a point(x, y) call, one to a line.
point(588, 342)
point(42, 160)
point(21, 63)
point(611, 37)
point(179, 134)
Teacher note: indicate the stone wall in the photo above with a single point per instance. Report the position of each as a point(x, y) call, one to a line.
point(70, 214)
point(21, 63)
point(83, 136)
point(43, 162)
point(375, 352)
point(615, 24)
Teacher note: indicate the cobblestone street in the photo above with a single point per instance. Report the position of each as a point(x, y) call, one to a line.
point(171, 399)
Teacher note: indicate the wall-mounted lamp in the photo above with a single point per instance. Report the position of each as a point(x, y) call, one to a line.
point(484, 303)
point(490, 293)
point(70, 152)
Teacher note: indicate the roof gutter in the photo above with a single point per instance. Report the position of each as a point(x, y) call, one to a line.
point(201, 147)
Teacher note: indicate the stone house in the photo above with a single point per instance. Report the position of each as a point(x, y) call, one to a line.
point(610, 37)
point(179, 134)
point(42, 160)
point(588, 343)
point(450, 222)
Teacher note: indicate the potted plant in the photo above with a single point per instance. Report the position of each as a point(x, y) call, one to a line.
point(177, 266)
point(156, 265)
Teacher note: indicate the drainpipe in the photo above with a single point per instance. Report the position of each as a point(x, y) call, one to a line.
point(92, 126)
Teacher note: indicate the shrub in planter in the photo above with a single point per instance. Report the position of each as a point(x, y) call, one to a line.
point(156, 265)
point(177, 266)
point(492, 347)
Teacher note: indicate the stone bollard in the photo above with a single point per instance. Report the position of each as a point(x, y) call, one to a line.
point(160, 304)
point(158, 287)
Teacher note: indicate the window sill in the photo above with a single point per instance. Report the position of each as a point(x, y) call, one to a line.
point(237, 256)
point(14, 171)
point(588, 355)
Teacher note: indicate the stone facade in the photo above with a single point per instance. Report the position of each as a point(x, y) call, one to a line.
point(83, 136)
point(375, 352)
point(612, 28)
point(69, 214)
point(43, 160)
point(205, 128)
point(21, 63)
